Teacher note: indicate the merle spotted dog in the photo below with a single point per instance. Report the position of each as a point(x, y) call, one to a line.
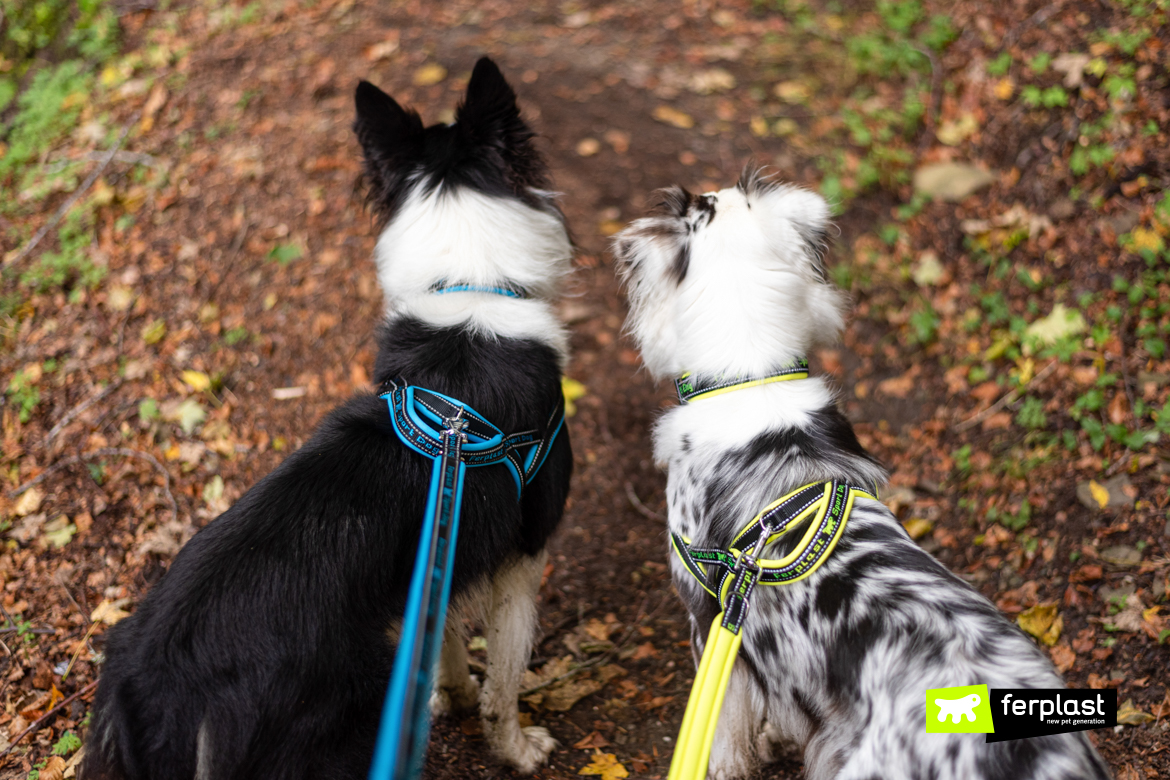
point(731, 283)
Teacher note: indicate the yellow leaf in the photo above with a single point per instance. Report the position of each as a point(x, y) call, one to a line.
point(1151, 613)
point(429, 74)
point(674, 117)
point(197, 380)
point(572, 390)
point(1100, 494)
point(29, 502)
point(1130, 715)
point(1004, 88)
point(918, 527)
point(1027, 367)
point(110, 612)
point(606, 766)
point(758, 126)
point(1039, 620)
point(1144, 239)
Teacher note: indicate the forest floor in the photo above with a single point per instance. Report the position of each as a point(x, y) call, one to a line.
point(211, 295)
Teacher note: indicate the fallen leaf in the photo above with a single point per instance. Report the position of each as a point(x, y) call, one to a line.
point(1064, 657)
point(562, 697)
point(1004, 88)
point(1073, 68)
point(154, 332)
point(953, 133)
point(591, 740)
point(898, 386)
point(189, 414)
point(599, 630)
point(58, 532)
point(644, 650)
point(950, 180)
point(674, 117)
point(606, 766)
point(29, 502)
point(54, 768)
point(110, 612)
point(197, 380)
point(1130, 715)
point(928, 270)
point(431, 73)
point(1060, 323)
point(572, 390)
point(1099, 494)
point(381, 51)
point(1042, 621)
point(918, 527)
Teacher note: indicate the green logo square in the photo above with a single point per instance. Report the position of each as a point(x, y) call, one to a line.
point(962, 710)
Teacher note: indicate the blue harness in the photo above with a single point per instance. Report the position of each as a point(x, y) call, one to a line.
point(456, 438)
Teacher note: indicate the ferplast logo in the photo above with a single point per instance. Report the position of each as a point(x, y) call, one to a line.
point(965, 709)
point(1018, 713)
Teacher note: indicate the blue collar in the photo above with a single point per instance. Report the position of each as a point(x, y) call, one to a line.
point(507, 289)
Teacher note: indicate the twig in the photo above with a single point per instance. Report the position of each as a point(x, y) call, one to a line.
point(637, 503)
point(89, 180)
point(935, 97)
point(39, 721)
point(1007, 399)
point(72, 414)
point(102, 453)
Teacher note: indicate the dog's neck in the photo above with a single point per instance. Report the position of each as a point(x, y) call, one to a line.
point(711, 427)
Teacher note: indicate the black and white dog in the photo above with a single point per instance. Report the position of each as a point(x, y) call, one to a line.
point(731, 283)
point(265, 651)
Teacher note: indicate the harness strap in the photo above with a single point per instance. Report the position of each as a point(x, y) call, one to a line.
point(692, 388)
point(731, 576)
point(464, 439)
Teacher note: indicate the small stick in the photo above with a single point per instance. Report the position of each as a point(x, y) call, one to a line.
point(1007, 399)
point(104, 452)
point(40, 721)
point(637, 503)
point(72, 414)
point(89, 180)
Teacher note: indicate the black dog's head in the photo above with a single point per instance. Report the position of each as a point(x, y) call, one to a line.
point(488, 148)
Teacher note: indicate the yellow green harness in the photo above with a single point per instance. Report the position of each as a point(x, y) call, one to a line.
point(732, 575)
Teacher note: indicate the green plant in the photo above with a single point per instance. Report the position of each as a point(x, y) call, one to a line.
point(46, 111)
point(1031, 414)
point(924, 324)
point(1040, 62)
point(962, 458)
point(235, 335)
point(285, 253)
point(1000, 65)
point(23, 392)
point(69, 267)
point(68, 743)
point(1052, 97)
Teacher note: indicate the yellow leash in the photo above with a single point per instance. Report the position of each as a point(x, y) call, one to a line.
point(731, 576)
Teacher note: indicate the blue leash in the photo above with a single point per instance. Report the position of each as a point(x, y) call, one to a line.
point(456, 438)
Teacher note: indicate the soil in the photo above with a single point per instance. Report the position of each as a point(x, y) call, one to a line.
point(256, 131)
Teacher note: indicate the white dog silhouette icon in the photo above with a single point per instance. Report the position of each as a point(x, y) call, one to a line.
point(957, 708)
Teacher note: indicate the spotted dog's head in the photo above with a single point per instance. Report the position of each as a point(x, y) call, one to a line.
point(730, 281)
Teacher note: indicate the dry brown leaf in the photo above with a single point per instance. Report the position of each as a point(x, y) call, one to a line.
point(1063, 657)
point(591, 740)
point(645, 650)
point(562, 697)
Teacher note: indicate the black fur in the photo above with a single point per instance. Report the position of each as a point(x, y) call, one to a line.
point(489, 147)
point(271, 626)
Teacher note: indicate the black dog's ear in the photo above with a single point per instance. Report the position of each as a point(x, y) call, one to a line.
point(490, 118)
point(392, 143)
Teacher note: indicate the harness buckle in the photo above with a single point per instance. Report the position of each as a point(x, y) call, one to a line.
point(456, 425)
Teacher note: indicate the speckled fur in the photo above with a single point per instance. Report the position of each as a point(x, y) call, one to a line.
point(837, 663)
